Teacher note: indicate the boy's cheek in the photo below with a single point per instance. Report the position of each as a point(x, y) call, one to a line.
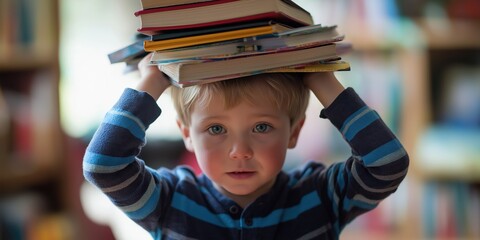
point(209, 148)
point(210, 162)
point(210, 143)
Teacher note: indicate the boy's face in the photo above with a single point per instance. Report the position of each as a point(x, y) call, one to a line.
point(241, 149)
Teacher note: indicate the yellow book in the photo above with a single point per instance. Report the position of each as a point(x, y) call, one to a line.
point(151, 46)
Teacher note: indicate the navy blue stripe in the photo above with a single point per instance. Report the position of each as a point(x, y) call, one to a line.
point(119, 143)
point(130, 96)
point(369, 138)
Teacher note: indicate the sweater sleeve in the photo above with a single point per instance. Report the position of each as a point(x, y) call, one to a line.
point(378, 163)
point(110, 161)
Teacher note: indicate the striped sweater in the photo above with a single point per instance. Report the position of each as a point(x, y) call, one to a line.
point(311, 202)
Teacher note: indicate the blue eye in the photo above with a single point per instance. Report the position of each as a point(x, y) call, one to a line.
point(216, 129)
point(262, 128)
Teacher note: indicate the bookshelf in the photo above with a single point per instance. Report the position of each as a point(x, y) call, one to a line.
point(32, 153)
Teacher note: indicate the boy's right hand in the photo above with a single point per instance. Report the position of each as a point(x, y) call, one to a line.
point(152, 81)
point(324, 85)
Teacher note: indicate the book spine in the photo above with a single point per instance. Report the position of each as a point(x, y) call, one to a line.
point(223, 28)
point(275, 16)
point(25, 19)
point(202, 39)
point(4, 128)
point(180, 7)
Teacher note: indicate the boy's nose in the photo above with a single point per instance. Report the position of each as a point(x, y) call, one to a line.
point(241, 149)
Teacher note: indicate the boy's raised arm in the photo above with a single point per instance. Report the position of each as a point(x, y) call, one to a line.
point(110, 161)
point(378, 163)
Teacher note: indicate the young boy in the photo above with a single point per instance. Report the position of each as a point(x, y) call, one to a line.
point(240, 130)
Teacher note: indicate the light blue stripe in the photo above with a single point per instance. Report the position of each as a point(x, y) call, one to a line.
point(358, 124)
point(381, 152)
point(348, 204)
point(129, 115)
point(188, 206)
point(308, 202)
point(93, 168)
point(128, 121)
point(156, 233)
point(149, 206)
point(351, 118)
point(104, 160)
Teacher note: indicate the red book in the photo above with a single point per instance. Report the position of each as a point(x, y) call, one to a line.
point(220, 12)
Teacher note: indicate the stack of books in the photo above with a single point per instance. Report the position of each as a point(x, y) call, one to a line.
point(195, 42)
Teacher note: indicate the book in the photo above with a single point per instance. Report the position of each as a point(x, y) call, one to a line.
point(191, 72)
point(129, 52)
point(322, 66)
point(4, 128)
point(207, 30)
point(304, 36)
point(151, 46)
point(221, 12)
point(317, 66)
point(146, 4)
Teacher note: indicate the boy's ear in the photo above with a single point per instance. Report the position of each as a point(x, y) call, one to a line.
point(297, 127)
point(185, 130)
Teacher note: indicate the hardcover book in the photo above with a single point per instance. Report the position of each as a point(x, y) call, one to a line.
point(146, 4)
point(214, 70)
point(221, 12)
point(270, 28)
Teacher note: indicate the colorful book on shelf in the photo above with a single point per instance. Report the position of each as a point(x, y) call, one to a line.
point(206, 71)
point(146, 4)
point(304, 36)
point(221, 12)
point(270, 28)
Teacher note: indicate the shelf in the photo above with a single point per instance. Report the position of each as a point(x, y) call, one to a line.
point(449, 154)
point(444, 34)
point(25, 63)
point(15, 179)
point(405, 33)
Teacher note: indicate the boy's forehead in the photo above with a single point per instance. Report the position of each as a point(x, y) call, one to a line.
point(223, 100)
point(217, 108)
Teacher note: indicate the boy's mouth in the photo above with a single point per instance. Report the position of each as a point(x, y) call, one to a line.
point(241, 174)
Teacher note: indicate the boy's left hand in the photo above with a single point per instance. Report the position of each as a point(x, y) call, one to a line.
point(153, 81)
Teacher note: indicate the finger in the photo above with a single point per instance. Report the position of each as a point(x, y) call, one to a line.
point(145, 61)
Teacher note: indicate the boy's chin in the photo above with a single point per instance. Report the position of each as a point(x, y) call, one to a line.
point(246, 191)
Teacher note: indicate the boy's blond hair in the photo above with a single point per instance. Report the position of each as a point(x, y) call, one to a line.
point(285, 91)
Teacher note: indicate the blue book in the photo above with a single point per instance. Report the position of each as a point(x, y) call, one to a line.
point(129, 52)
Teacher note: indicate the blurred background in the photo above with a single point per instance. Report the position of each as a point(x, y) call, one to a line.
point(416, 62)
